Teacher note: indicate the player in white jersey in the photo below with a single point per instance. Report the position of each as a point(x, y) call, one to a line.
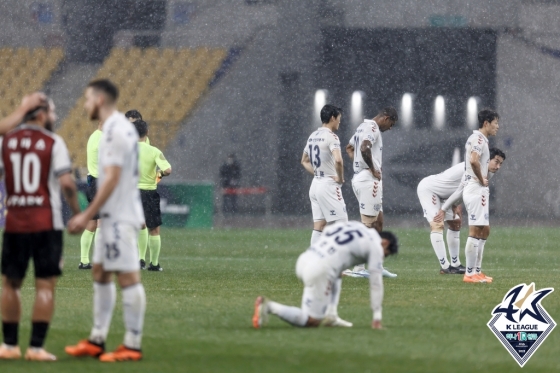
point(497, 158)
point(341, 245)
point(365, 149)
point(120, 209)
point(322, 158)
point(476, 193)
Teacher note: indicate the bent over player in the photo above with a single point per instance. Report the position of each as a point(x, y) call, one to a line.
point(322, 158)
point(36, 166)
point(341, 245)
point(497, 158)
point(476, 194)
point(116, 249)
point(151, 158)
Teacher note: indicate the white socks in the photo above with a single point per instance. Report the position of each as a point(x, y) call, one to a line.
point(478, 265)
point(104, 298)
point(292, 315)
point(453, 243)
point(332, 309)
point(134, 307)
point(439, 248)
point(315, 235)
point(471, 251)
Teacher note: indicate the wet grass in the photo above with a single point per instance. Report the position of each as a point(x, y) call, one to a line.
point(199, 309)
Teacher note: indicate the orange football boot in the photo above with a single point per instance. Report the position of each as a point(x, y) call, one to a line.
point(38, 354)
point(488, 278)
point(84, 348)
point(474, 279)
point(9, 352)
point(122, 353)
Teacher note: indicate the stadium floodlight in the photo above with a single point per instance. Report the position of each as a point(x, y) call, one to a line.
point(320, 101)
point(406, 110)
point(357, 108)
point(439, 113)
point(472, 113)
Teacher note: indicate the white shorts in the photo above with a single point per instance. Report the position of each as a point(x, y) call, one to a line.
point(476, 199)
point(116, 247)
point(369, 193)
point(327, 202)
point(318, 285)
point(431, 203)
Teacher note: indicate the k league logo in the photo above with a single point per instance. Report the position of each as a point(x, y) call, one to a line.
point(520, 322)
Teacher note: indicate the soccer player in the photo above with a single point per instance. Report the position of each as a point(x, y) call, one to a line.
point(93, 224)
point(36, 166)
point(29, 102)
point(322, 158)
point(340, 246)
point(440, 196)
point(133, 115)
point(476, 193)
point(116, 250)
point(365, 148)
point(497, 158)
point(151, 158)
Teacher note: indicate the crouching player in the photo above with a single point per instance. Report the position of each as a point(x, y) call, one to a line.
point(342, 245)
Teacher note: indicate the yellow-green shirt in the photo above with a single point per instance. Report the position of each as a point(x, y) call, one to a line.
point(92, 148)
point(150, 158)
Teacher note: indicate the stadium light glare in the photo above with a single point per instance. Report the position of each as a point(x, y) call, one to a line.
point(320, 101)
point(439, 113)
point(406, 110)
point(357, 108)
point(472, 113)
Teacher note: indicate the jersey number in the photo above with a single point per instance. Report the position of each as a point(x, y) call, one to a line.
point(28, 174)
point(317, 161)
point(349, 236)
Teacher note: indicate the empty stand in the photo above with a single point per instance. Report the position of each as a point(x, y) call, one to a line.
point(24, 70)
point(163, 84)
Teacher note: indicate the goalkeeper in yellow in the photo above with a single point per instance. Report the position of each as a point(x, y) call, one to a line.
point(152, 167)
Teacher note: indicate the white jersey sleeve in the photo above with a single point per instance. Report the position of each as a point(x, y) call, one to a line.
point(61, 163)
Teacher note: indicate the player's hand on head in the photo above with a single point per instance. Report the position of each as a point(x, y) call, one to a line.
point(376, 324)
point(77, 224)
point(33, 100)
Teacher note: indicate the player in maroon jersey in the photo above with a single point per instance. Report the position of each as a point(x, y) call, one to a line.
point(36, 167)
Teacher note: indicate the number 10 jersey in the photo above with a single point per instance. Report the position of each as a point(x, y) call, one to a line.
point(32, 161)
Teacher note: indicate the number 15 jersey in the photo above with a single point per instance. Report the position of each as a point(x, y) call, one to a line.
point(32, 161)
point(320, 146)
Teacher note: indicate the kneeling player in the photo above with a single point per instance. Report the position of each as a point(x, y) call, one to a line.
point(341, 245)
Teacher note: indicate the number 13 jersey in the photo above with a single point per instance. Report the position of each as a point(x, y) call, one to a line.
point(320, 146)
point(32, 161)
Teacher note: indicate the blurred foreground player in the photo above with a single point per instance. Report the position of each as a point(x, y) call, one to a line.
point(151, 158)
point(36, 166)
point(497, 158)
point(116, 248)
point(341, 245)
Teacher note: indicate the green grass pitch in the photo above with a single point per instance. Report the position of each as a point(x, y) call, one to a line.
point(199, 309)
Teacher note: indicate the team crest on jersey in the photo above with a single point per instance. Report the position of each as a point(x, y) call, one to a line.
point(377, 207)
point(520, 322)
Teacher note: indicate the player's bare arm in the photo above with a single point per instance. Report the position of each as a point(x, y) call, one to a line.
point(350, 151)
point(475, 164)
point(78, 223)
point(365, 149)
point(306, 163)
point(338, 165)
point(28, 103)
point(166, 172)
point(69, 192)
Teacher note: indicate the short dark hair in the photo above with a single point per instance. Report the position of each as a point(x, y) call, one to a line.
point(328, 111)
point(134, 114)
point(32, 114)
point(486, 115)
point(141, 127)
point(495, 152)
point(390, 112)
point(393, 242)
point(107, 87)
